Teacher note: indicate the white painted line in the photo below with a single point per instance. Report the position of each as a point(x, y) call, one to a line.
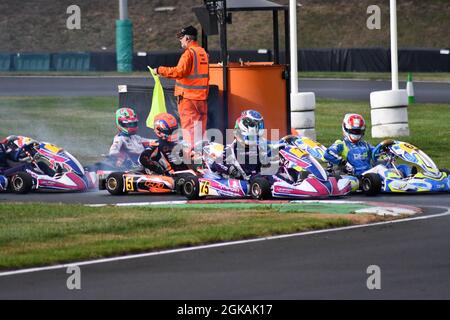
point(222, 244)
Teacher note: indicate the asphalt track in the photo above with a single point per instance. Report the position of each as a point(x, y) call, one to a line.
point(414, 258)
point(70, 86)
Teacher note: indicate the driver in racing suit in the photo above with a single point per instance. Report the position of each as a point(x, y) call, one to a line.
point(352, 154)
point(127, 145)
point(16, 152)
point(248, 154)
point(167, 154)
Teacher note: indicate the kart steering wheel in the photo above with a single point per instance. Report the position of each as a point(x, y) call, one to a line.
point(381, 148)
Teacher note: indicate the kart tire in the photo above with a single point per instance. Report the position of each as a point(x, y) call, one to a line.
point(371, 184)
point(190, 188)
point(260, 188)
point(179, 181)
point(114, 184)
point(21, 183)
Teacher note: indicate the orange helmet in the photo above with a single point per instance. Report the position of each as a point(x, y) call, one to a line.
point(165, 125)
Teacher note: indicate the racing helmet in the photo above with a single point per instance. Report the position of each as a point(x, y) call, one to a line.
point(127, 120)
point(353, 127)
point(165, 126)
point(249, 127)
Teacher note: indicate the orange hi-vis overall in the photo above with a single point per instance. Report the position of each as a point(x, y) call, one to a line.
point(191, 90)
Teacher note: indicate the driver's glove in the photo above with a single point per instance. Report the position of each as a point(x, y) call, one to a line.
point(348, 168)
point(233, 172)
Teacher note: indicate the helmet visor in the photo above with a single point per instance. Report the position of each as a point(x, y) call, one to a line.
point(355, 131)
point(167, 131)
point(252, 123)
point(129, 124)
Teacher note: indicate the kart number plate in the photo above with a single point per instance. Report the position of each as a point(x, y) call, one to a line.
point(129, 186)
point(204, 188)
point(52, 148)
point(298, 152)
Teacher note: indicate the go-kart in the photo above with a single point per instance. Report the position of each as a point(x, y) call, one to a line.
point(305, 177)
point(421, 175)
point(300, 175)
point(148, 177)
point(141, 180)
point(45, 167)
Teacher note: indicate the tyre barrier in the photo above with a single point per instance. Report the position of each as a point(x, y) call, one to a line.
point(389, 113)
point(303, 120)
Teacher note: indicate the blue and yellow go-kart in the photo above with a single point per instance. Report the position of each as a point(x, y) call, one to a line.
point(417, 173)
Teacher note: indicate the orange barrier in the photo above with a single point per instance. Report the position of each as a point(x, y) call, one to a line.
point(255, 85)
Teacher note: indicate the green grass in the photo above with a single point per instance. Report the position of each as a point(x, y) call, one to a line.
point(42, 234)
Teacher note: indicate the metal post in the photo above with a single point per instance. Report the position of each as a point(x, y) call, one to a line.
point(123, 9)
point(287, 58)
point(204, 40)
point(224, 56)
point(394, 53)
point(293, 37)
point(276, 47)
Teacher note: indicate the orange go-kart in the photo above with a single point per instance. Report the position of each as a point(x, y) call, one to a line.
point(120, 183)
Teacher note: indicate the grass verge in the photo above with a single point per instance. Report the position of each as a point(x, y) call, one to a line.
point(44, 234)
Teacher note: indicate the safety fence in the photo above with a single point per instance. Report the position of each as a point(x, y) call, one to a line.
point(326, 59)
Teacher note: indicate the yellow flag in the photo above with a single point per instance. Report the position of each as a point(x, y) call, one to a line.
point(158, 102)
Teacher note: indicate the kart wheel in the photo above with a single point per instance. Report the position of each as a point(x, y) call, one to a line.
point(260, 188)
point(190, 188)
point(371, 184)
point(179, 182)
point(21, 182)
point(114, 183)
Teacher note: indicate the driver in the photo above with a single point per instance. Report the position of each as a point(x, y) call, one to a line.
point(17, 152)
point(127, 145)
point(167, 154)
point(352, 154)
point(248, 152)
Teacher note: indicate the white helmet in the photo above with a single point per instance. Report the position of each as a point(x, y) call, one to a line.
point(249, 127)
point(353, 127)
